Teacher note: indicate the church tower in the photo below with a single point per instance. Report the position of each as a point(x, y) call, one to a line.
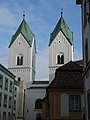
point(22, 53)
point(60, 47)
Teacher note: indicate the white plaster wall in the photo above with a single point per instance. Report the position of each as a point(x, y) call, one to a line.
point(64, 105)
point(20, 46)
point(32, 96)
point(59, 44)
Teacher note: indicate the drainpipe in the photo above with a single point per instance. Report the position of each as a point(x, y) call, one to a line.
point(24, 106)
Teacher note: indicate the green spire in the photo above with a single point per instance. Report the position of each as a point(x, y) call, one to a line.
point(61, 26)
point(25, 31)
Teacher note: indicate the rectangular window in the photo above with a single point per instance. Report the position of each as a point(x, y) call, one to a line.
point(11, 86)
point(15, 91)
point(5, 100)
point(88, 104)
point(0, 115)
point(6, 84)
point(0, 99)
point(75, 103)
point(14, 104)
point(4, 116)
point(9, 116)
point(10, 102)
point(86, 51)
point(85, 16)
point(1, 81)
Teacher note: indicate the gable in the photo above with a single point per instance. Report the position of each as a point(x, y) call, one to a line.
point(25, 31)
point(61, 26)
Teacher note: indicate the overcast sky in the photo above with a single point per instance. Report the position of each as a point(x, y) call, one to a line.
point(42, 17)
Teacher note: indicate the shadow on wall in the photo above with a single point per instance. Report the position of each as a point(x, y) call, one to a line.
point(38, 117)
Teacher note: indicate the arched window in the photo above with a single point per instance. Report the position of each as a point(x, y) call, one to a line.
point(19, 59)
point(38, 104)
point(60, 58)
point(19, 79)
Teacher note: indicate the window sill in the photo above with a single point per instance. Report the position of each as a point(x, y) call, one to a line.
point(37, 109)
point(75, 111)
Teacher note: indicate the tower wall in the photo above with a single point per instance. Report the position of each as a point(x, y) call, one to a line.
point(20, 47)
point(60, 45)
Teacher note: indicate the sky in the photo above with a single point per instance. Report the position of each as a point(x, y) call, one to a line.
point(42, 17)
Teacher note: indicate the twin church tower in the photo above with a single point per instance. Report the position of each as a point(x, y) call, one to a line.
point(22, 51)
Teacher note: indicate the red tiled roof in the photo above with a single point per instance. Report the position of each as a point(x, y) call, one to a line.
point(68, 76)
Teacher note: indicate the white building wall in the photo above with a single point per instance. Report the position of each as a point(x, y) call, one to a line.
point(59, 45)
point(32, 95)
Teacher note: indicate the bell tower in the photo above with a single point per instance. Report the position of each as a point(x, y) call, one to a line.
point(60, 47)
point(22, 53)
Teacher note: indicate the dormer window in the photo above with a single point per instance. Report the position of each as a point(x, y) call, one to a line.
point(60, 58)
point(19, 59)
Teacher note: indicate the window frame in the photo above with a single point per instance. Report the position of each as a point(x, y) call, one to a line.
point(1, 81)
point(60, 58)
point(19, 60)
point(6, 84)
point(0, 99)
point(5, 101)
point(88, 103)
point(72, 107)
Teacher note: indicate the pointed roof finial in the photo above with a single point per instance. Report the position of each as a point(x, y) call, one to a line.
point(61, 12)
point(23, 14)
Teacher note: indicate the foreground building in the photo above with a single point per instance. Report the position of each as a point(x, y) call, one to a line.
point(11, 96)
point(65, 94)
point(85, 8)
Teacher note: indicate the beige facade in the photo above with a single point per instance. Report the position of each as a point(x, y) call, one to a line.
point(65, 94)
point(21, 110)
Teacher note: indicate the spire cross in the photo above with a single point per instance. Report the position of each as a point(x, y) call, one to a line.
point(61, 12)
point(23, 14)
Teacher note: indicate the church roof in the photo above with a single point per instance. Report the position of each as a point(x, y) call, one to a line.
point(25, 31)
point(61, 26)
point(69, 76)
